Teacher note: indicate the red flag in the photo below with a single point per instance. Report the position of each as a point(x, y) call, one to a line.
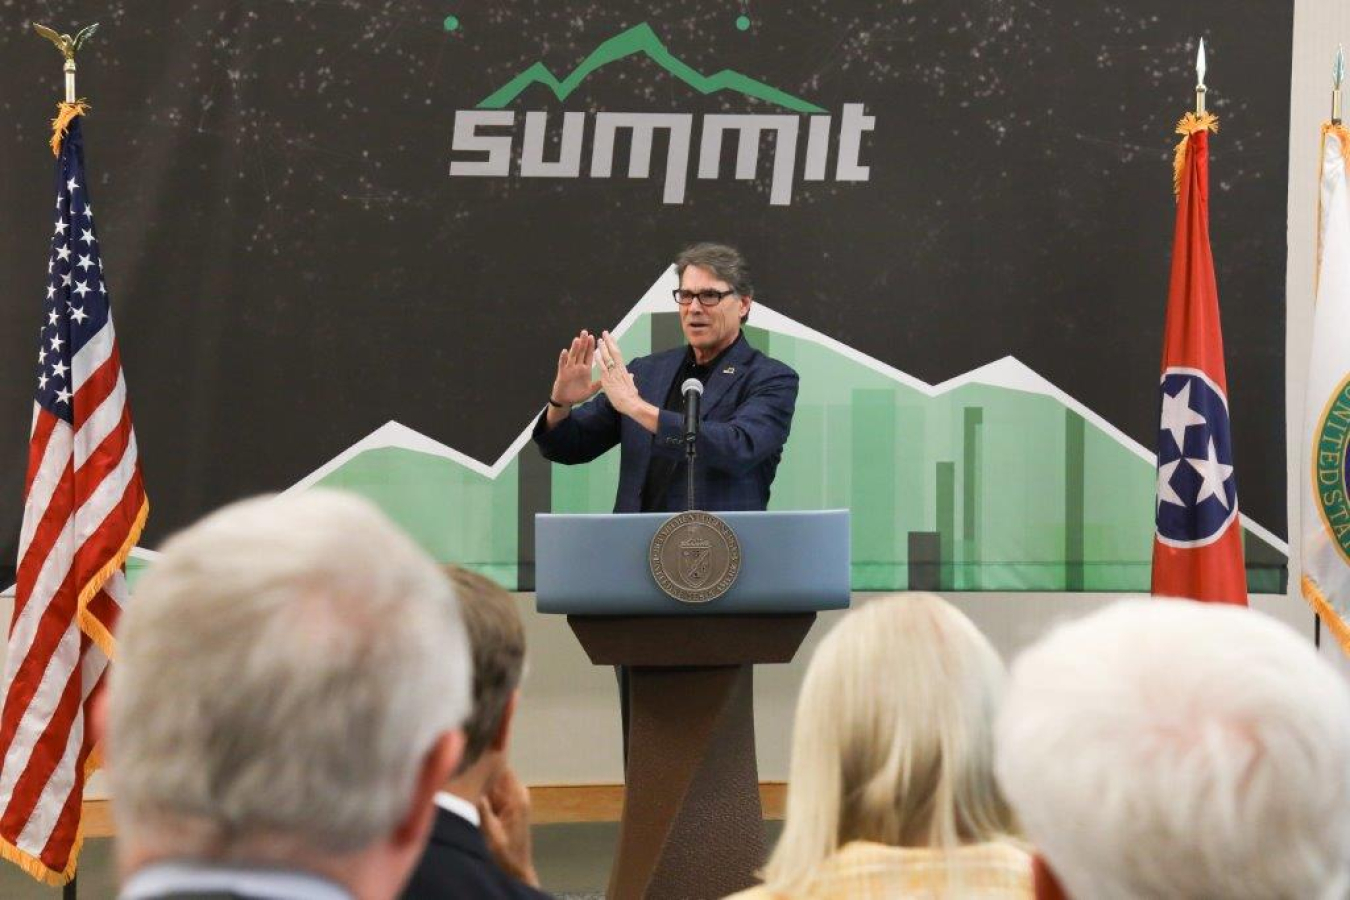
point(84, 507)
point(1197, 545)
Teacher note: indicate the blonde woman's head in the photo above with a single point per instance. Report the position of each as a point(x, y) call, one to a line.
point(893, 738)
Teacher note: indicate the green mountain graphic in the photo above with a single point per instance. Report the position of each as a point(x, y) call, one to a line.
point(641, 39)
point(982, 487)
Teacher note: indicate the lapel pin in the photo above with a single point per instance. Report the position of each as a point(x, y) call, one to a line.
point(729, 370)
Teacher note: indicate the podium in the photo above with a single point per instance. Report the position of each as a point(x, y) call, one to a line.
point(692, 821)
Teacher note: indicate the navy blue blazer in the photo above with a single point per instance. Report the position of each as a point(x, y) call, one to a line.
point(744, 421)
point(457, 866)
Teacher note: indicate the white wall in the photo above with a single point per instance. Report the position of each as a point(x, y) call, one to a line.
point(567, 730)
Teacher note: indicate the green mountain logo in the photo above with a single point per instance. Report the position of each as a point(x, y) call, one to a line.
point(641, 39)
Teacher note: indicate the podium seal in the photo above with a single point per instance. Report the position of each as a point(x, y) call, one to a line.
point(695, 557)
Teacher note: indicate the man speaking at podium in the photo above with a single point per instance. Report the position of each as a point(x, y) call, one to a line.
point(744, 415)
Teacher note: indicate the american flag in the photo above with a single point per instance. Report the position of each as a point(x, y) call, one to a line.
point(84, 509)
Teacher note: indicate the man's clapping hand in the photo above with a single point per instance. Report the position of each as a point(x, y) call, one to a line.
point(505, 815)
point(573, 382)
point(615, 378)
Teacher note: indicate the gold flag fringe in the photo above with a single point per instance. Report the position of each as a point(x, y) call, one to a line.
point(1188, 125)
point(1330, 618)
point(1343, 135)
point(39, 870)
point(89, 624)
point(65, 114)
point(34, 866)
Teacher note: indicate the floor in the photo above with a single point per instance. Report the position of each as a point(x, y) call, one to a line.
point(573, 862)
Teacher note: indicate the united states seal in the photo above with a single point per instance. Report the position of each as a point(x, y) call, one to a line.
point(1329, 468)
point(695, 557)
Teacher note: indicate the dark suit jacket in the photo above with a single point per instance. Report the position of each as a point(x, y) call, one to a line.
point(744, 420)
point(456, 864)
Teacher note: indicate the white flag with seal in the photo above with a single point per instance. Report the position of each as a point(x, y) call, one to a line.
point(1326, 419)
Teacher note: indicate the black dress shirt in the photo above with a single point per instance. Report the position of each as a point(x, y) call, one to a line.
point(662, 470)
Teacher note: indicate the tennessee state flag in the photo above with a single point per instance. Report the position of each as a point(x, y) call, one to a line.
point(1197, 545)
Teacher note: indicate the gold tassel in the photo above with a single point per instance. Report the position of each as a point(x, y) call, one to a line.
point(1330, 618)
point(1188, 125)
point(65, 114)
point(1343, 135)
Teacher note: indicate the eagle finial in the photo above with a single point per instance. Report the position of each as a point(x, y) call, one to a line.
point(65, 43)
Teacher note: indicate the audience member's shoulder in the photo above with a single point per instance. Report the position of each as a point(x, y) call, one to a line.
point(438, 880)
point(456, 863)
point(1009, 862)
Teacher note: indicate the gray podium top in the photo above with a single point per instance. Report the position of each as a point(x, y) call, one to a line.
point(791, 562)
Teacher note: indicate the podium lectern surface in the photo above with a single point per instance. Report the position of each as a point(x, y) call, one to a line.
point(792, 562)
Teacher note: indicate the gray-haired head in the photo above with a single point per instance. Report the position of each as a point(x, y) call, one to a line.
point(284, 670)
point(1165, 748)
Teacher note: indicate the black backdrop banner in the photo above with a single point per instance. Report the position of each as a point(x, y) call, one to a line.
point(318, 218)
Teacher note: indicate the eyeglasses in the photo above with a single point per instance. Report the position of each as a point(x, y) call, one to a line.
point(707, 298)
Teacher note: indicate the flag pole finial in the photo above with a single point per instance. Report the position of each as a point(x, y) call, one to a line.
point(68, 46)
point(1200, 79)
point(1337, 77)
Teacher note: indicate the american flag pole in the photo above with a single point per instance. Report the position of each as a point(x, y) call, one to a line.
point(84, 509)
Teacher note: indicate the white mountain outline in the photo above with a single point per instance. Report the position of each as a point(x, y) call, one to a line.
point(1009, 373)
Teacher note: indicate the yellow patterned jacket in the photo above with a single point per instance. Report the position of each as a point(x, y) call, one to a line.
point(867, 871)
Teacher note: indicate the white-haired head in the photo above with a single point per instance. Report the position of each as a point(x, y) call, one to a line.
point(1162, 748)
point(284, 670)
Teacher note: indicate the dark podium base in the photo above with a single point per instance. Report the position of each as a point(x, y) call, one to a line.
point(692, 823)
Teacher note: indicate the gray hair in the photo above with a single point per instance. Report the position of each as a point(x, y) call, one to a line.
point(725, 262)
point(1183, 750)
point(893, 739)
point(284, 669)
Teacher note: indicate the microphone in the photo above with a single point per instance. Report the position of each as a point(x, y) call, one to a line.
point(692, 390)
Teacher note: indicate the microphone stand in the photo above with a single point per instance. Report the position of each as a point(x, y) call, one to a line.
point(689, 453)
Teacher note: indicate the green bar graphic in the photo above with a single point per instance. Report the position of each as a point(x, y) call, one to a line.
point(1074, 457)
point(536, 496)
point(873, 490)
point(946, 521)
point(925, 555)
point(973, 419)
